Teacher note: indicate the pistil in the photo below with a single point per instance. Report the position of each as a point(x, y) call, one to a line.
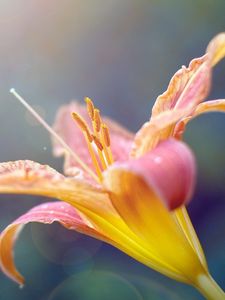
point(54, 134)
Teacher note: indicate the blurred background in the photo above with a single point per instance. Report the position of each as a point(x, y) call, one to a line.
point(122, 55)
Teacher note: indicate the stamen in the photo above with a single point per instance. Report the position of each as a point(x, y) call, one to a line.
point(54, 134)
point(89, 139)
point(94, 159)
point(97, 143)
point(105, 133)
point(83, 125)
point(100, 152)
point(105, 138)
point(97, 120)
point(90, 108)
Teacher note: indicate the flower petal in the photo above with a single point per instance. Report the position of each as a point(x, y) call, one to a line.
point(28, 177)
point(120, 138)
point(182, 217)
point(158, 129)
point(205, 107)
point(144, 190)
point(188, 85)
point(210, 106)
point(93, 204)
point(215, 52)
point(46, 213)
point(163, 177)
point(168, 171)
point(216, 48)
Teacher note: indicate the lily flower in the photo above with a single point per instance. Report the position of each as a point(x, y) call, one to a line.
point(127, 190)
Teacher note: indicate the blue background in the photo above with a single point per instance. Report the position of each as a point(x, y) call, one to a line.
point(122, 55)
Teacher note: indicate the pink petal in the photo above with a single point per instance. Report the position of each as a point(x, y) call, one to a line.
point(46, 213)
point(144, 190)
point(168, 171)
point(120, 138)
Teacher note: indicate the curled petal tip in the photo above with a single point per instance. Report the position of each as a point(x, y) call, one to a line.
point(46, 213)
point(216, 48)
point(168, 171)
point(7, 241)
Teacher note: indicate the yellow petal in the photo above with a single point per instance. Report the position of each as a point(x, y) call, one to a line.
point(148, 217)
point(141, 194)
point(184, 221)
point(27, 177)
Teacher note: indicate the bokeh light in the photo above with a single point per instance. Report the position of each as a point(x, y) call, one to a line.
point(102, 285)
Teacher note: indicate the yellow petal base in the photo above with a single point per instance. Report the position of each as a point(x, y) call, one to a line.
point(209, 288)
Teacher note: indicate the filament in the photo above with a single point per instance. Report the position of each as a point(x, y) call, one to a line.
point(54, 134)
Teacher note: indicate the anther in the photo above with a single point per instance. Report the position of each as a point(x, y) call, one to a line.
point(105, 133)
point(90, 108)
point(89, 139)
point(97, 120)
point(80, 121)
point(83, 125)
point(105, 139)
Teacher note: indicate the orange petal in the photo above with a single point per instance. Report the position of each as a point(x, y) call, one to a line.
point(46, 213)
point(188, 85)
point(205, 107)
point(210, 106)
point(216, 48)
point(121, 138)
point(28, 177)
point(158, 129)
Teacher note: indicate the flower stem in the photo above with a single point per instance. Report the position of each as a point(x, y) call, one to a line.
point(209, 288)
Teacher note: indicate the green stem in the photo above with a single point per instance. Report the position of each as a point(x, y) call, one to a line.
point(209, 288)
